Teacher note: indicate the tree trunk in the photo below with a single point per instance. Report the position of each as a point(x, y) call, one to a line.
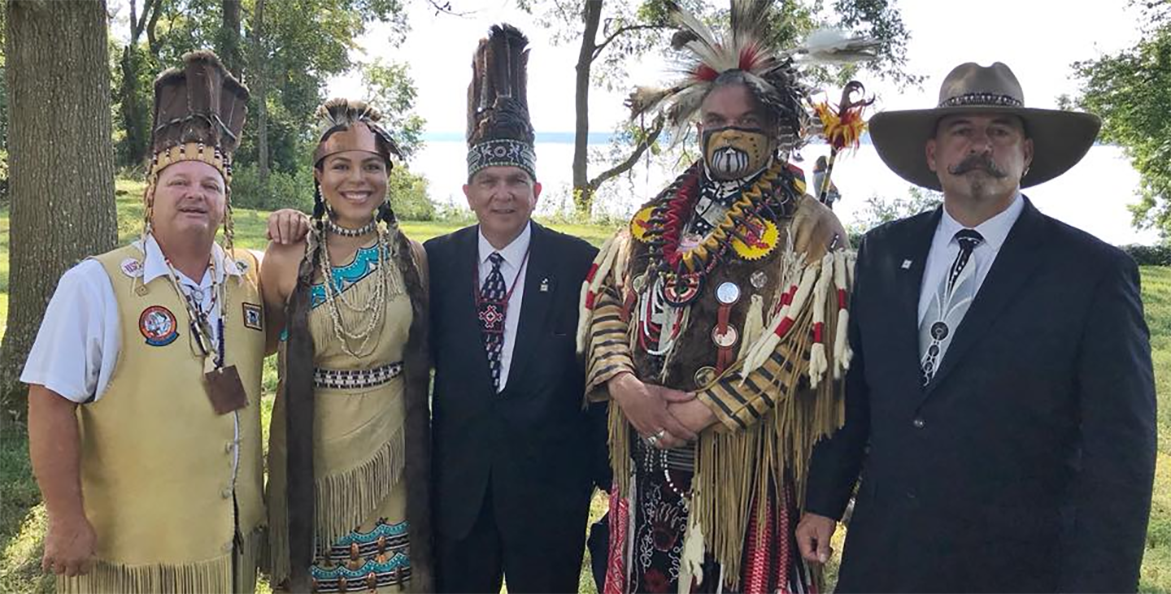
point(228, 41)
point(134, 114)
point(61, 162)
point(259, 84)
point(583, 194)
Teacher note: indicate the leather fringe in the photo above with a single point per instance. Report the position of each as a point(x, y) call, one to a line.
point(211, 576)
point(344, 501)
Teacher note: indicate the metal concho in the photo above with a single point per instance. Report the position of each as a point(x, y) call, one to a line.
point(727, 339)
point(728, 293)
point(705, 375)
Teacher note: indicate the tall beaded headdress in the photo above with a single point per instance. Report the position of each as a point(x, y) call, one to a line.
point(499, 131)
point(198, 116)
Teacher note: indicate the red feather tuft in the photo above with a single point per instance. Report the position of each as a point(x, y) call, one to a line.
point(749, 57)
point(705, 73)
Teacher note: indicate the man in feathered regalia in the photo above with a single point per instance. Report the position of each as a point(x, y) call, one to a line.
point(715, 321)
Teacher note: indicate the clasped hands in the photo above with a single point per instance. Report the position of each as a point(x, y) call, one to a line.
point(666, 418)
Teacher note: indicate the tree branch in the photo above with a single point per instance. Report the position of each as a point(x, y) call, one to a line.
point(445, 7)
point(627, 164)
point(134, 28)
point(617, 32)
point(155, 8)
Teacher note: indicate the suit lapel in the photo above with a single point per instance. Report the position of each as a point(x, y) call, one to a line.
point(468, 333)
point(1012, 269)
point(912, 262)
point(535, 305)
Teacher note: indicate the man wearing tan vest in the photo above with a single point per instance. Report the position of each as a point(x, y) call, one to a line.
point(144, 381)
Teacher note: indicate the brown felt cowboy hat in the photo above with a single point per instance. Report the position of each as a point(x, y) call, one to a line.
point(1060, 138)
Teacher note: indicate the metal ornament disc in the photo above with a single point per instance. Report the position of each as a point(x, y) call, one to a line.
point(727, 339)
point(704, 376)
point(758, 279)
point(939, 330)
point(728, 293)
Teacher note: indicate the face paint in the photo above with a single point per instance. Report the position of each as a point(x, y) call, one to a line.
point(732, 153)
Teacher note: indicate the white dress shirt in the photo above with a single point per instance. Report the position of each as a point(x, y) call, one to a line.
point(513, 269)
point(944, 248)
point(80, 338)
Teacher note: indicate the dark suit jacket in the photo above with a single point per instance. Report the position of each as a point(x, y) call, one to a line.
point(1027, 463)
point(532, 442)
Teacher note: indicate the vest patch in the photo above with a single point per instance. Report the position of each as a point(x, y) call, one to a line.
point(253, 316)
point(158, 326)
point(132, 267)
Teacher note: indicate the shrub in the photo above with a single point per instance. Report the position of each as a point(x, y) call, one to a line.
point(407, 191)
point(1149, 255)
point(282, 190)
point(408, 196)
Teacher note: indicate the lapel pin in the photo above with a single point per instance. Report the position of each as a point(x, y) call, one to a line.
point(544, 285)
point(906, 264)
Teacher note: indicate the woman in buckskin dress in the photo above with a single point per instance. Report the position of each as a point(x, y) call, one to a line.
point(349, 447)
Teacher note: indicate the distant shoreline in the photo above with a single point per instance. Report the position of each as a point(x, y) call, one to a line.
point(594, 138)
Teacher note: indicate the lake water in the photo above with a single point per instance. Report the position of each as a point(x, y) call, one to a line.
point(1092, 196)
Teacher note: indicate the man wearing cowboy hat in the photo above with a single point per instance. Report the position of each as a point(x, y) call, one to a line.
point(1001, 398)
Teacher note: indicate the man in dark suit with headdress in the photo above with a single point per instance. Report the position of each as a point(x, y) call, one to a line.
point(1001, 404)
point(513, 448)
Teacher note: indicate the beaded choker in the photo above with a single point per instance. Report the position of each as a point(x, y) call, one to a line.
point(337, 229)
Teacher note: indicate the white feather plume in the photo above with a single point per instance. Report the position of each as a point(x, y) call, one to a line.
point(834, 46)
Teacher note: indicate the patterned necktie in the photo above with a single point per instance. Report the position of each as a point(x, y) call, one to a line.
point(491, 308)
point(948, 305)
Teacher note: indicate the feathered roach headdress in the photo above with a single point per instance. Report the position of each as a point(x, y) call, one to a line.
point(747, 48)
point(499, 131)
point(199, 114)
point(342, 133)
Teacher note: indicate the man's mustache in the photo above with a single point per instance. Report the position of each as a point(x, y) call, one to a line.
point(978, 161)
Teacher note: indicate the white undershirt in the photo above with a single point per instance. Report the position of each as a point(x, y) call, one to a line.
point(80, 338)
point(511, 268)
point(944, 248)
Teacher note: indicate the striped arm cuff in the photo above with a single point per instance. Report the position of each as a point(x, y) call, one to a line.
point(738, 405)
point(609, 347)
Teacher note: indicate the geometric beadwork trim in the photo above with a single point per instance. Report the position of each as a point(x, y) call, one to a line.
point(502, 153)
point(365, 262)
point(990, 99)
point(365, 561)
point(353, 379)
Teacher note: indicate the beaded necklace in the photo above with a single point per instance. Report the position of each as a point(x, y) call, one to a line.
point(199, 321)
point(374, 305)
point(683, 271)
point(337, 229)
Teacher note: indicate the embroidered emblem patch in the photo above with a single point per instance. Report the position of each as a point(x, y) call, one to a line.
point(157, 324)
point(242, 266)
point(757, 238)
point(131, 267)
point(641, 223)
point(253, 316)
point(491, 320)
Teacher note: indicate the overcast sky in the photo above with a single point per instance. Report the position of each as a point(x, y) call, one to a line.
point(1038, 39)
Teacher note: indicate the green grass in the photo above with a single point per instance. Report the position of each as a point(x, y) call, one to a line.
point(22, 517)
